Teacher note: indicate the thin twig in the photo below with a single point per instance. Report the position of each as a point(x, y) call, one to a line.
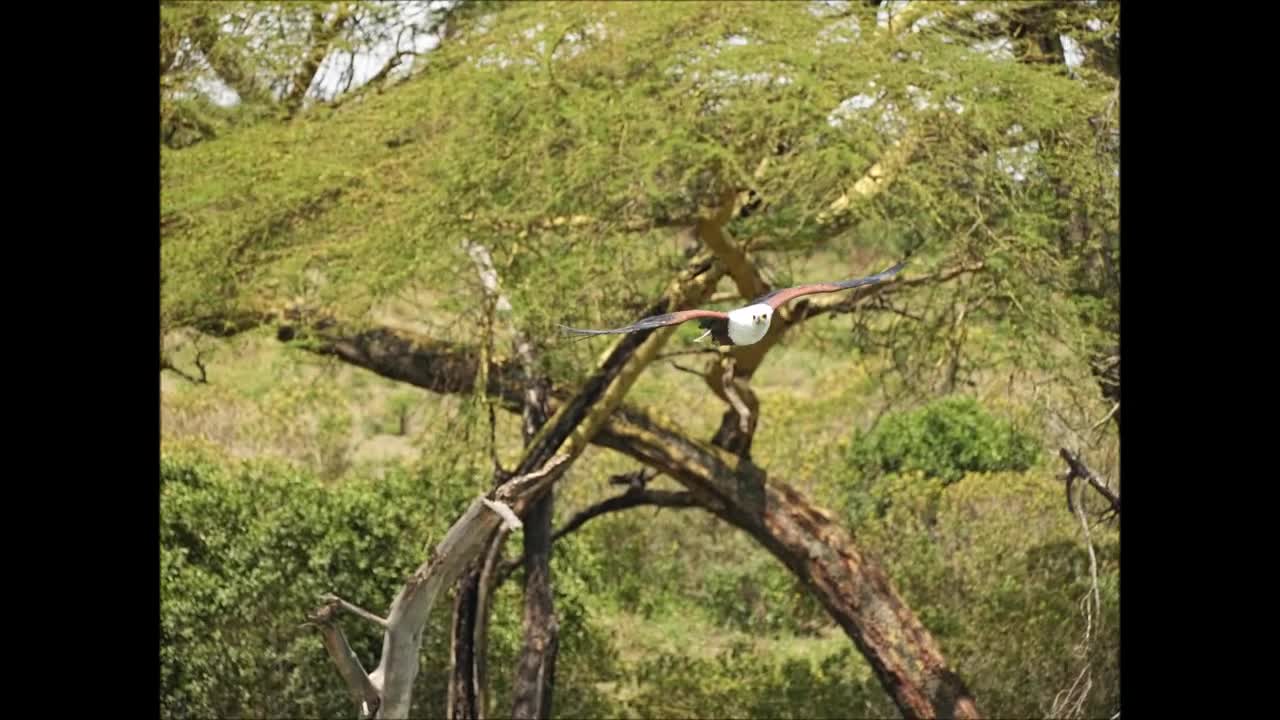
point(354, 609)
point(677, 353)
point(633, 497)
point(682, 368)
point(1107, 417)
point(1070, 702)
point(165, 364)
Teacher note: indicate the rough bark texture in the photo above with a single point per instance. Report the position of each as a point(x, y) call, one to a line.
point(557, 444)
point(535, 670)
point(854, 589)
point(463, 703)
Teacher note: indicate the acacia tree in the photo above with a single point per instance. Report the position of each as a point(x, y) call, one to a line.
point(571, 144)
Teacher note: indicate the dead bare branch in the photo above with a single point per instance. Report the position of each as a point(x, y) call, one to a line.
point(461, 546)
point(364, 693)
point(355, 609)
point(1114, 408)
point(1077, 469)
point(1070, 702)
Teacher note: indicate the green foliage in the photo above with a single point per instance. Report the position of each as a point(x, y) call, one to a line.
point(246, 553)
point(632, 116)
point(740, 682)
point(996, 568)
point(943, 439)
point(569, 138)
point(763, 597)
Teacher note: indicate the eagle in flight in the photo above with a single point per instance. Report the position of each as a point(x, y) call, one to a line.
point(745, 325)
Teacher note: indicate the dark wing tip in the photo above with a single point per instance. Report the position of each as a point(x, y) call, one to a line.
point(579, 331)
point(898, 267)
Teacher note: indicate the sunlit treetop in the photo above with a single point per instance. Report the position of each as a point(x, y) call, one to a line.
point(572, 139)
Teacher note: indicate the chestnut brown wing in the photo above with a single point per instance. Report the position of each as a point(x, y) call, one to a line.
point(652, 322)
point(777, 298)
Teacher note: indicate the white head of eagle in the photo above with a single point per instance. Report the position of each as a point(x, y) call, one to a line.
point(748, 324)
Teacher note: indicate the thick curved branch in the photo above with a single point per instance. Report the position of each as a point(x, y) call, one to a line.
point(744, 272)
point(556, 444)
point(853, 588)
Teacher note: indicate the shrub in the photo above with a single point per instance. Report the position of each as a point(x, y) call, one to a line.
point(996, 567)
point(246, 552)
point(944, 439)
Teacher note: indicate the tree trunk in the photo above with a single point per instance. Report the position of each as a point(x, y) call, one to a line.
point(853, 588)
point(463, 703)
point(535, 673)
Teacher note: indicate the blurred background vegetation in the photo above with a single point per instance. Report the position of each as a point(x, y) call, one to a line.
point(335, 156)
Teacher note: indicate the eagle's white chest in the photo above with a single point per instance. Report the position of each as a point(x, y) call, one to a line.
point(747, 325)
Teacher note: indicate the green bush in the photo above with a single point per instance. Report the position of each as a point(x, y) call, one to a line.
point(739, 682)
point(764, 597)
point(944, 439)
point(245, 554)
point(996, 568)
point(246, 551)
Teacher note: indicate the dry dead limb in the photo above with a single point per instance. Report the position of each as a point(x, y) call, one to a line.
point(388, 689)
point(1070, 702)
point(1077, 469)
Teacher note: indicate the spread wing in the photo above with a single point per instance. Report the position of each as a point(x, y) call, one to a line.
point(777, 298)
point(653, 322)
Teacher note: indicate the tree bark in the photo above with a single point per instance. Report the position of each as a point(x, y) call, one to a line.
point(853, 588)
point(462, 700)
point(535, 667)
point(535, 671)
point(557, 444)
